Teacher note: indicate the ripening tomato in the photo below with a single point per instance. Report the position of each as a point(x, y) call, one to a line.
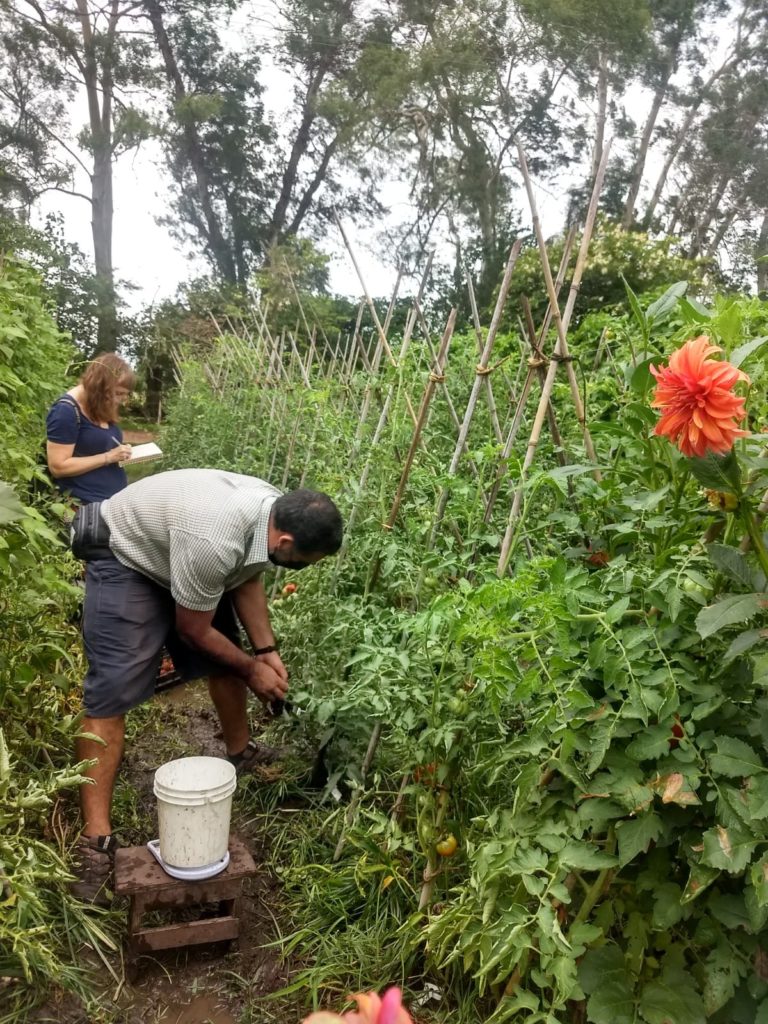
point(448, 846)
point(288, 589)
point(599, 559)
point(677, 733)
point(425, 771)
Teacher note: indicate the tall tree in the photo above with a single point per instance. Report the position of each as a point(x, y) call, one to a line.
point(33, 121)
point(697, 91)
point(726, 162)
point(676, 25)
point(88, 46)
point(216, 137)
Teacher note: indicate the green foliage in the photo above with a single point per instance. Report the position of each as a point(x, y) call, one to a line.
point(41, 925)
point(292, 285)
point(616, 257)
point(591, 729)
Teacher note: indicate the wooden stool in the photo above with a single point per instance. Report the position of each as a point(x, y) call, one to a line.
point(139, 877)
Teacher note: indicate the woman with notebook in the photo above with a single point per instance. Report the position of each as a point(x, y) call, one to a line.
point(85, 446)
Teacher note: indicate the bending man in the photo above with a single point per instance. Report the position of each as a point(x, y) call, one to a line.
point(176, 559)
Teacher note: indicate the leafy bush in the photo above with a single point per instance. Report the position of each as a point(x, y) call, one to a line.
point(43, 930)
point(566, 817)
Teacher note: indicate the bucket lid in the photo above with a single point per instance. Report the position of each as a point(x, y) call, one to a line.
point(198, 779)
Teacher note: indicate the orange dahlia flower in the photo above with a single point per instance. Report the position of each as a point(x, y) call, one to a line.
point(700, 412)
point(370, 1010)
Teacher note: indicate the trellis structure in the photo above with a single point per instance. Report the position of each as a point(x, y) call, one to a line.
point(392, 388)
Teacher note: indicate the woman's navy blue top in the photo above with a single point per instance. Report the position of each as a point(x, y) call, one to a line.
point(63, 427)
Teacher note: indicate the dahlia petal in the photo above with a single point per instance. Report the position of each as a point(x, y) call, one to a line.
point(711, 431)
point(368, 1006)
point(392, 1010)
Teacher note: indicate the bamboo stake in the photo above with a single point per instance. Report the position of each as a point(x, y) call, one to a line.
point(535, 364)
point(479, 336)
point(482, 369)
point(297, 357)
point(552, 420)
point(561, 353)
point(369, 387)
point(586, 238)
point(436, 377)
point(310, 352)
point(381, 336)
point(353, 339)
point(423, 408)
point(452, 411)
point(561, 272)
point(561, 348)
point(381, 425)
point(296, 417)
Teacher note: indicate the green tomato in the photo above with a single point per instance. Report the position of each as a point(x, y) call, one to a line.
point(695, 589)
point(458, 705)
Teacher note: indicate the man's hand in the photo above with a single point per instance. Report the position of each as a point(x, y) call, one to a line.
point(265, 682)
point(273, 659)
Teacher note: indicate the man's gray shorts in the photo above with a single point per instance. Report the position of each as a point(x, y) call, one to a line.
point(127, 620)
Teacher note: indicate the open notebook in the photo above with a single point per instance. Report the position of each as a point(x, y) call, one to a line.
point(144, 453)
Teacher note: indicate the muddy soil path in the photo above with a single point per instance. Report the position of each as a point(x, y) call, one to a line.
point(204, 985)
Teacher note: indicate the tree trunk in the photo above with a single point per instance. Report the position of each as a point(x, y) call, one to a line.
point(298, 149)
point(722, 230)
point(702, 224)
point(645, 142)
point(685, 127)
point(277, 224)
point(674, 149)
point(101, 227)
point(762, 256)
point(213, 234)
point(99, 95)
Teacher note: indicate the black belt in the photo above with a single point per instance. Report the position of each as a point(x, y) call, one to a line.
point(90, 534)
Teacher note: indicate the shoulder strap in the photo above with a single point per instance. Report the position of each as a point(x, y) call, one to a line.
point(68, 400)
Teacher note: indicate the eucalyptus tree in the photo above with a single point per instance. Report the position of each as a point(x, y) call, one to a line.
point(98, 49)
point(33, 121)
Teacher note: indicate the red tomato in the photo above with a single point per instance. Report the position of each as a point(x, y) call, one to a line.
point(677, 733)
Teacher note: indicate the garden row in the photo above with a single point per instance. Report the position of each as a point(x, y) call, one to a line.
point(543, 788)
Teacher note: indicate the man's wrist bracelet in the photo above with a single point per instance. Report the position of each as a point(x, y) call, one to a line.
point(264, 650)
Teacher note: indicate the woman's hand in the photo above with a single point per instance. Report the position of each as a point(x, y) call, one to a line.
point(121, 453)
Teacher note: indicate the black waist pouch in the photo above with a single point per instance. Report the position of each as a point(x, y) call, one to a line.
point(90, 534)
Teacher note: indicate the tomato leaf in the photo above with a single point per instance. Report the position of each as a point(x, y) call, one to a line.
point(744, 642)
point(613, 1003)
point(636, 836)
point(735, 758)
point(731, 562)
point(729, 849)
point(11, 509)
point(672, 998)
point(728, 611)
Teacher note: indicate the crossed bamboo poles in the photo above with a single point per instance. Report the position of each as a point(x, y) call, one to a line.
point(294, 372)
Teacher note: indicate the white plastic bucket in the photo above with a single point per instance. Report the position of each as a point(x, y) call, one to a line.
point(194, 806)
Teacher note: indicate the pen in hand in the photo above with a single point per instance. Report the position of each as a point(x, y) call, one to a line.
point(116, 441)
